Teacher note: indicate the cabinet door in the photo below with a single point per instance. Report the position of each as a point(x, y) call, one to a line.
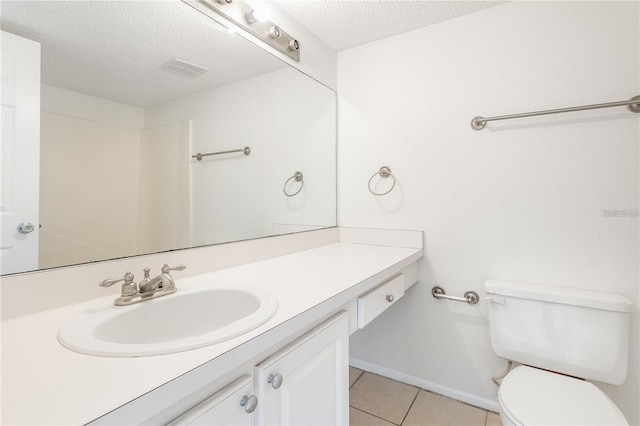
point(225, 407)
point(306, 383)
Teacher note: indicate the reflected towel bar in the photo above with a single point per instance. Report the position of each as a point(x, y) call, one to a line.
point(470, 297)
point(246, 150)
point(633, 105)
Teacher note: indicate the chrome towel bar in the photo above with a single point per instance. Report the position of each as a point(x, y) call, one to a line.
point(633, 105)
point(246, 150)
point(470, 297)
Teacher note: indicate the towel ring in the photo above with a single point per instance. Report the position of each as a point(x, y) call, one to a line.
point(384, 172)
point(298, 178)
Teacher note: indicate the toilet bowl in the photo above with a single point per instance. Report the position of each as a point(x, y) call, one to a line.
point(530, 396)
point(578, 333)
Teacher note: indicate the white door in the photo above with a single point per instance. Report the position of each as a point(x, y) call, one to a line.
point(20, 153)
point(307, 382)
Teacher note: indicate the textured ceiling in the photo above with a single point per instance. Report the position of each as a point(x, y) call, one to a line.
point(343, 24)
point(113, 49)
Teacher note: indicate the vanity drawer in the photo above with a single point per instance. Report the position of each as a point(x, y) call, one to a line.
point(375, 301)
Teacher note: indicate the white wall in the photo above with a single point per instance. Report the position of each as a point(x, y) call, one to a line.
point(90, 161)
point(164, 199)
point(288, 122)
point(521, 200)
point(131, 184)
point(74, 104)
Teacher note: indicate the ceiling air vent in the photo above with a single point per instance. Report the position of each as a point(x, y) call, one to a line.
point(181, 68)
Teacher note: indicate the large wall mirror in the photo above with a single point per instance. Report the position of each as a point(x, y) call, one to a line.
point(127, 93)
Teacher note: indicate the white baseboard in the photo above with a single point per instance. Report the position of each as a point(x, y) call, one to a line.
point(467, 398)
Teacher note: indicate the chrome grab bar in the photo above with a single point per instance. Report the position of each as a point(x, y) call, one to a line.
point(470, 297)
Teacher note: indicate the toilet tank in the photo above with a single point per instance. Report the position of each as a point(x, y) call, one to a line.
point(576, 332)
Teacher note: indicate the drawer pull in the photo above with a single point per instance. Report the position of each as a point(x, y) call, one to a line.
point(249, 403)
point(377, 300)
point(275, 380)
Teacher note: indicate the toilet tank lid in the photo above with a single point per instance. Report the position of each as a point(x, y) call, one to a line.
point(565, 295)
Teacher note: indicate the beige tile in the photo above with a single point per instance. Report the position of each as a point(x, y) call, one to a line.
point(360, 418)
point(354, 374)
point(493, 419)
point(382, 397)
point(432, 409)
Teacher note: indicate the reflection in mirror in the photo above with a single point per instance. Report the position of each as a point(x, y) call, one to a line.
point(128, 92)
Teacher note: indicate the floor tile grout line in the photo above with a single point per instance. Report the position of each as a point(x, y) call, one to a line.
point(373, 415)
point(363, 372)
point(410, 406)
point(418, 389)
point(357, 378)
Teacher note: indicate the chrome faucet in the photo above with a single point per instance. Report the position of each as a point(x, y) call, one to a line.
point(149, 288)
point(163, 282)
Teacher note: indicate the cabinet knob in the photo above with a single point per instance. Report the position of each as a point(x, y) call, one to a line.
point(390, 298)
point(275, 380)
point(249, 403)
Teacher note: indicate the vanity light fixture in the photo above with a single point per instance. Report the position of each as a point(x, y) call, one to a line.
point(274, 32)
point(252, 20)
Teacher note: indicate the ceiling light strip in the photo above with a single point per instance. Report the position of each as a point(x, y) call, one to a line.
point(244, 16)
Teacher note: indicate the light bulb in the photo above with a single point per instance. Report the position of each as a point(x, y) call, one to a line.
point(258, 14)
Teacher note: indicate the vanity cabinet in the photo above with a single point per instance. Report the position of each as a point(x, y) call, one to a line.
point(297, 372)
point(305, 382)
point(232, 405)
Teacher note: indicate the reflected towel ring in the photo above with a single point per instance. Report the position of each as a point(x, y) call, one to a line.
point(384, 172)
point(298, 178)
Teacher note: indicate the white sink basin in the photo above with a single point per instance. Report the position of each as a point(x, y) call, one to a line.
point(177, 322)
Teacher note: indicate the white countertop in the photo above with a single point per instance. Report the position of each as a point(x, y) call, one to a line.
point(45, 383)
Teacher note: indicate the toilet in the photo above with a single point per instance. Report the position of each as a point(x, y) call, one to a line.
point(563, 337)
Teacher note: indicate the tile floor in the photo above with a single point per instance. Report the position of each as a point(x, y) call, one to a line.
point(377, 401)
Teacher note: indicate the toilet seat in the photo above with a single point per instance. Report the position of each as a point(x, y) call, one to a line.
point(529, 396)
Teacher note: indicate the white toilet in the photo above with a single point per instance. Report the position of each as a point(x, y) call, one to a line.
point(575, 334)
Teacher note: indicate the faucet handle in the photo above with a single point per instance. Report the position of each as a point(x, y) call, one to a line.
point(128, 279)
point(129, 288)
point(166, 269)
